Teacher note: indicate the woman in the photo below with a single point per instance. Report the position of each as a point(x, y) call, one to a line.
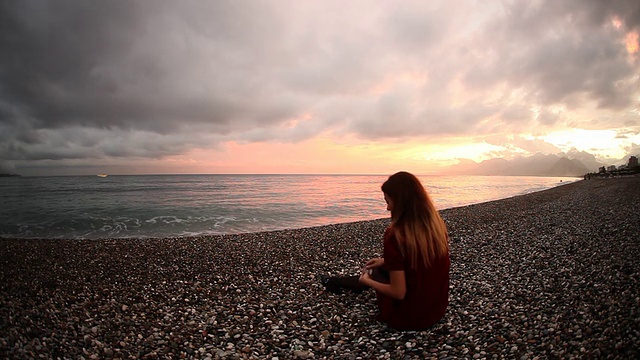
point(411, 280)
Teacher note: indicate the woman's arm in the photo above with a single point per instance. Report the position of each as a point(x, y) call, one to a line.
point(397, 288)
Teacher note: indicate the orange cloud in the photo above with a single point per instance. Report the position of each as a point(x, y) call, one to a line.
point(317, 155)
point(632, 42)
point(326, 155)
point(616, 22)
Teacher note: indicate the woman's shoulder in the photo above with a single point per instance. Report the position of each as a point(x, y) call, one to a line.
point(388, 230)
point(390, 233)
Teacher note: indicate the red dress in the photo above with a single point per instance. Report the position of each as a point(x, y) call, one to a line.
point(427, 296)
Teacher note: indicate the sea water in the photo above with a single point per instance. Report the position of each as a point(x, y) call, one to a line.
point(139, 206)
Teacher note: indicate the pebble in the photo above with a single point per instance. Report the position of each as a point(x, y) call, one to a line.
point(552, 274)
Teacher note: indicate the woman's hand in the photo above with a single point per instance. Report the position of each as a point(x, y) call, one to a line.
point(365, 274)
point(374, 263)
point(365, 278)
point(397, 287)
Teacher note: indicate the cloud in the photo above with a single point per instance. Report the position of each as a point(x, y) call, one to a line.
point(633, 149)
point(116, 79)
point(559, 53)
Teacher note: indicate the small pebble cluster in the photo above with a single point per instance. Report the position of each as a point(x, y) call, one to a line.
point(553, 274)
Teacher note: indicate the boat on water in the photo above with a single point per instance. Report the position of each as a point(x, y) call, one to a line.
point(102, 175)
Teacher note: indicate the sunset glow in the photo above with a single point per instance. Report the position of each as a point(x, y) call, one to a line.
point(593, 141)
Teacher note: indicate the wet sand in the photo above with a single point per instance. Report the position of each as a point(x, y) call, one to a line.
point(553, 274)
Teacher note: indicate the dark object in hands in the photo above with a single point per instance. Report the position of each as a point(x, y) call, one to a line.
point(380, 275)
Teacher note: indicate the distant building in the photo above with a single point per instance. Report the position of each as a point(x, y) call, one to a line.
point(602, 170)
point(633, 162)
point(611, 168)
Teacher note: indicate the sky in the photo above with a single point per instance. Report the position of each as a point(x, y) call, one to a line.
point(162, 87)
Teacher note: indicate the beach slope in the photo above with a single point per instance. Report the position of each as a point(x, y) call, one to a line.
point(553, 274)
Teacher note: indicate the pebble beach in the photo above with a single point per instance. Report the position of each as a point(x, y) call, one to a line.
point(552, 274)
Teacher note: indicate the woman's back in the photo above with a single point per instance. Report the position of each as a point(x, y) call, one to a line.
point(427, 295)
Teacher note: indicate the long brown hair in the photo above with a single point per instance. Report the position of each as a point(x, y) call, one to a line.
point(418, 226)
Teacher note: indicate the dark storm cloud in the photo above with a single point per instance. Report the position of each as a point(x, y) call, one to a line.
point(130, 67)
point(115, 64)
point(51, 54)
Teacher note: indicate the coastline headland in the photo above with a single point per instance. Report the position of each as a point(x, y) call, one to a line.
point(551, 274)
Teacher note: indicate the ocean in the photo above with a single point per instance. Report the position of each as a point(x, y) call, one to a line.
point(149, 206)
